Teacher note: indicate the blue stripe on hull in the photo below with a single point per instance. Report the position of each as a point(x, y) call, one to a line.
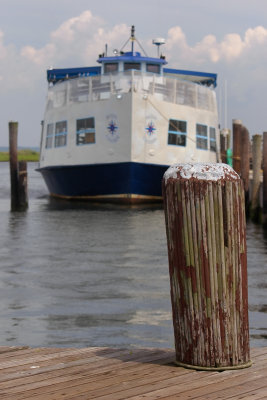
point(104, 179)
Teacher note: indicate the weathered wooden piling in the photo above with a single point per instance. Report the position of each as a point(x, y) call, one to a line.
point(23, 186)
point(225, 140)
point(264, 183)
point(206, 235)
point(223, 145)
point(237, 143)
point(13, 162)
point(18, 172)
point(244, 162)
point(256, 162)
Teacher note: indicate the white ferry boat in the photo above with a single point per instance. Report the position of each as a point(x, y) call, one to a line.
point(111, 131)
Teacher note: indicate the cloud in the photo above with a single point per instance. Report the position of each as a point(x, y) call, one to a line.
point(240, 62)
point(76, 42)
point(231, 48)
point(39, 57)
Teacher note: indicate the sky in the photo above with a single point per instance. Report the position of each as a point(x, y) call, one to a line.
point(225, 37)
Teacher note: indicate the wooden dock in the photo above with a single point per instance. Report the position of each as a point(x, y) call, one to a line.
point(114, 374)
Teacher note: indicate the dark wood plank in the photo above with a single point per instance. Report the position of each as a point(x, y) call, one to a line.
point(6, 349)
point(94, 371)
point(85, 378)
point(117, 374)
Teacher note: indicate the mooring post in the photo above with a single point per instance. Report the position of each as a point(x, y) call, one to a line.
point(225, 140)
point(13, 162)
point(223, 146)
point(237, 143)
point(206, 235)
point(256, 163)
point(23, 186)
point(18, 172)
point(264, 187)
point(244, 162)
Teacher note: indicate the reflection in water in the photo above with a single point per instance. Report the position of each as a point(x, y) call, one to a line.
point(83, 274)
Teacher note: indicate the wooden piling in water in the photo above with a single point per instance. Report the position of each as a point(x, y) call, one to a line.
point(264, 183)
point(13, 162)
point(206, 235)
point(256, 162)
point(23, 186)
point(237, 143)
point(244, 163)
point(18, 172)
point(223, 145)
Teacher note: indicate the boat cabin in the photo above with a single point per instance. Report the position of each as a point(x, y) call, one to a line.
point(131, 61)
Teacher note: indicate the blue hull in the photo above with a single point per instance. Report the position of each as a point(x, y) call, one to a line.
point(118, 180)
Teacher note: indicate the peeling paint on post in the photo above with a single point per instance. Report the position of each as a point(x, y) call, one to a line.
point(206, 235)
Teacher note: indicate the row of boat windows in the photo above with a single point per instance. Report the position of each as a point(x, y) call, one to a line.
point(205, 136)
point(85, 134)
point(114, 67)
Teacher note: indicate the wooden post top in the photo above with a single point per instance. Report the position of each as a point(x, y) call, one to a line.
point(201, 171)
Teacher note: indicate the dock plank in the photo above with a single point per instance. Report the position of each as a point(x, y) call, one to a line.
point(117, 374)
point(78, 372)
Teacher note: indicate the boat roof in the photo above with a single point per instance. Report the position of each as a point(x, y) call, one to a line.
point(60, 74)
point(55, 75)
point(132, 56)
point(203, 78)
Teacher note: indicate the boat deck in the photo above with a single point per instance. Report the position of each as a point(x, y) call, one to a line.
point(114, 374)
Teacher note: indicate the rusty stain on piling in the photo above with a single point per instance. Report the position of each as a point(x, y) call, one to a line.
point(205, 224)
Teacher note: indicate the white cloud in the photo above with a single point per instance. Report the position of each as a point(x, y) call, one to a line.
point(39, 56)
point(231, 48)
point(76, 42)
point(255, 36)
point(83, 24)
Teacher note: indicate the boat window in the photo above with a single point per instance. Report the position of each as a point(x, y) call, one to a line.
point(49, 136)
point(61, 134)
point(85, 131)
point(132, 66)
point(212, 139)
point(177, 132)
point(155, 68)
point(202, 136)
point(110, 67)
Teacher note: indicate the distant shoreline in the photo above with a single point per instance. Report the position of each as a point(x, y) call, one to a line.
point(23, 155)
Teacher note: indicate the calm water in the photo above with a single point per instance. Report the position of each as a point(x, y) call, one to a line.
point(87, 275)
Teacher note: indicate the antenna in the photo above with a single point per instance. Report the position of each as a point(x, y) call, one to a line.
point(132, 37)
point(158, 42)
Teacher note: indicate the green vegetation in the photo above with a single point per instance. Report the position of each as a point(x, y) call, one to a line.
point(23, 155)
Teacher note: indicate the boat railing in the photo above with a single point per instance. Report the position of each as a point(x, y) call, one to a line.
point(102, 87)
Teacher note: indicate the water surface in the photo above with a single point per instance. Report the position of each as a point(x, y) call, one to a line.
point(78, 274)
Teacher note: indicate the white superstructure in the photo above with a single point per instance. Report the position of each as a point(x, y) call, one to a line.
point(128, 114)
